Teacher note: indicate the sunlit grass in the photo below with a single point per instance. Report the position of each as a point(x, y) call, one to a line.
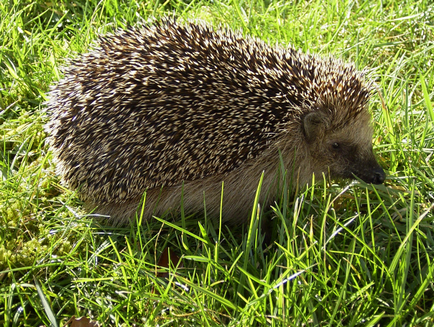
point(340, 254)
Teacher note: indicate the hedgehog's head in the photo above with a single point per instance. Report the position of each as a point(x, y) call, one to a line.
point(342, 144)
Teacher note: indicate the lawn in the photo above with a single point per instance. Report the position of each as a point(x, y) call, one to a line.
point(342, 253)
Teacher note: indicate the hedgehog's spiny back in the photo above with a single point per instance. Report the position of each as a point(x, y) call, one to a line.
point(169, 103)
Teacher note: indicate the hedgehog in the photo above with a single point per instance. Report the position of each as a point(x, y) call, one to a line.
point(187, 112)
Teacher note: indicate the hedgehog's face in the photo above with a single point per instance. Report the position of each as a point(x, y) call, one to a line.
point(344, 152)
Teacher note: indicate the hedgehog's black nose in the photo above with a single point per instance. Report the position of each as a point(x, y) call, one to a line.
point(379, 176)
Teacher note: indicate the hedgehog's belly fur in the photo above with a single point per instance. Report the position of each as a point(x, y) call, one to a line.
point(158, 202)
point(239, 191)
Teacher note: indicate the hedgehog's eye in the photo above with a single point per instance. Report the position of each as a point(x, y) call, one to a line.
point(335, 145)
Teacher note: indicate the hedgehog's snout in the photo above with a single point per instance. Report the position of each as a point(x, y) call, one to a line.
point(378, 176)
point(375, 175)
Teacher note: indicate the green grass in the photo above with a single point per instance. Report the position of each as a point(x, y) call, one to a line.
point(342, 255)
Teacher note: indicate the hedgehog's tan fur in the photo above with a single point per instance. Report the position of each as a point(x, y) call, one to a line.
point(181, 107)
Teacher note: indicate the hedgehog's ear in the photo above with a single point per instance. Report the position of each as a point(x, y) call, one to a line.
point(314, 125)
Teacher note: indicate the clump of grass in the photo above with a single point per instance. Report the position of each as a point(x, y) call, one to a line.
point(340, 255)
